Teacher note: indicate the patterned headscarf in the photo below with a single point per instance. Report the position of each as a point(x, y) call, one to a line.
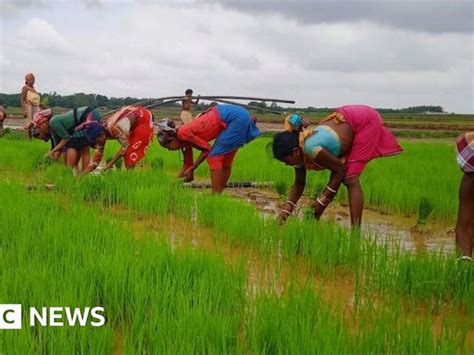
point(166, 128)
point(42, 116)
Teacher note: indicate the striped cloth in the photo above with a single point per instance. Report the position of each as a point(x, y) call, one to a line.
point(465, 152)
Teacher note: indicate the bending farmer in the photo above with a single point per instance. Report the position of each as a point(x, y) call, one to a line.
point(186, 117)
point(66, 138)
point(132, 127)
point(230, 125)
point(343, 143)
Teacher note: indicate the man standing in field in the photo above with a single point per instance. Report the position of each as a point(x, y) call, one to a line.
point(186, 105)
point(186, 117)
point(465, 223)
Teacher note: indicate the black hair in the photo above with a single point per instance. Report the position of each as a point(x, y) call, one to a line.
point(284, 143)
point(188, 91)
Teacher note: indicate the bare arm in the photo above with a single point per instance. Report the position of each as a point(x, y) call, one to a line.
point(295, 194)
point(198, 162)
point(24, 92)
point(338, 172)
point(121, 152)
point(57, 149)
point(96, 159)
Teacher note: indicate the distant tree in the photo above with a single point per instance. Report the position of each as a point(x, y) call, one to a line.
point(258, 104)
point(101, 100)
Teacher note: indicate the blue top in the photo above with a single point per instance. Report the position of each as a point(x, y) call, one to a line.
point(240, 129)
point(323, 137)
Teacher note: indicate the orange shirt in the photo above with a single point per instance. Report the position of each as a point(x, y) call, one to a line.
point(202, 130)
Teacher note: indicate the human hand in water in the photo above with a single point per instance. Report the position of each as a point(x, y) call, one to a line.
point(281, 219)
point(318, 210)
point(52, 154)
point(189, 174)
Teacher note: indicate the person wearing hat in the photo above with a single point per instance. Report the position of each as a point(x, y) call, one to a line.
point(343, 143)
point(67, 134)
point(231, 127)
point(465, 221)
point(131, 126)
point(30, 99)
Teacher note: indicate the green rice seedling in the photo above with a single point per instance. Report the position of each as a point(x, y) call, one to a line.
point(281, 187)
point(21, 155)
point(158, 163)
point(299, 324)
point(318, 189)
point(308, 214)
point(119, 164)
point(159, 300)
point(44, 162)
point(424, 210)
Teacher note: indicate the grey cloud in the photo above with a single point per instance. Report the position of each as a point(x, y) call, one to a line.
point(429, 16)
point(160, 50)
point(241, 62)
point(13, 8)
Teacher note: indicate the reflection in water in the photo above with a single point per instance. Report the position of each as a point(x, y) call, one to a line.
point(384, 227)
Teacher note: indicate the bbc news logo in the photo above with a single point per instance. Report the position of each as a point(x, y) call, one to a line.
point(11, 316)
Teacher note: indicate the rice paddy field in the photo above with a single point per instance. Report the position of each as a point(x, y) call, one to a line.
point(180, 271)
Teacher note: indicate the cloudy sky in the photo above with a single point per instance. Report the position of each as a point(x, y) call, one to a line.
point(320, 53)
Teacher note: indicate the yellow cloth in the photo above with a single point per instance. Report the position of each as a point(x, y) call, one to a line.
point(31, 110)
point(33, 98)
point(186, 116)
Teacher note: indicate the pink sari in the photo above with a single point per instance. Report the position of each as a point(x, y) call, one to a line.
point(371, 138)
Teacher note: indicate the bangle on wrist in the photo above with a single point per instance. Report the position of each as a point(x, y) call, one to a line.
point(324, 200)
point(331, 189)
point(321, 202)
point(291, 203)
point(285, 211)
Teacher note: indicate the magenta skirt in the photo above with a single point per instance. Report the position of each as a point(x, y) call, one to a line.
point(371, 138)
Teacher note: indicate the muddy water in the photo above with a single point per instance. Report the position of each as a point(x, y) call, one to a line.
point(383, 226)
point(265, 273)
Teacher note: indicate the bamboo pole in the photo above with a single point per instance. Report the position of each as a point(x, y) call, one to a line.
point(139, 103)
point(218, 100)
point(211, 97)
point(161, 101)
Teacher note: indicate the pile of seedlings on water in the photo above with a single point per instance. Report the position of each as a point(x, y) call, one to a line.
point(424, 211)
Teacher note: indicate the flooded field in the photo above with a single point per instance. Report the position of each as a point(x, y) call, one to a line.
point(384, 226)
point(177, 268)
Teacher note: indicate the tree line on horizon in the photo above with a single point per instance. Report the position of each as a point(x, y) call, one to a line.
point(81, 99)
